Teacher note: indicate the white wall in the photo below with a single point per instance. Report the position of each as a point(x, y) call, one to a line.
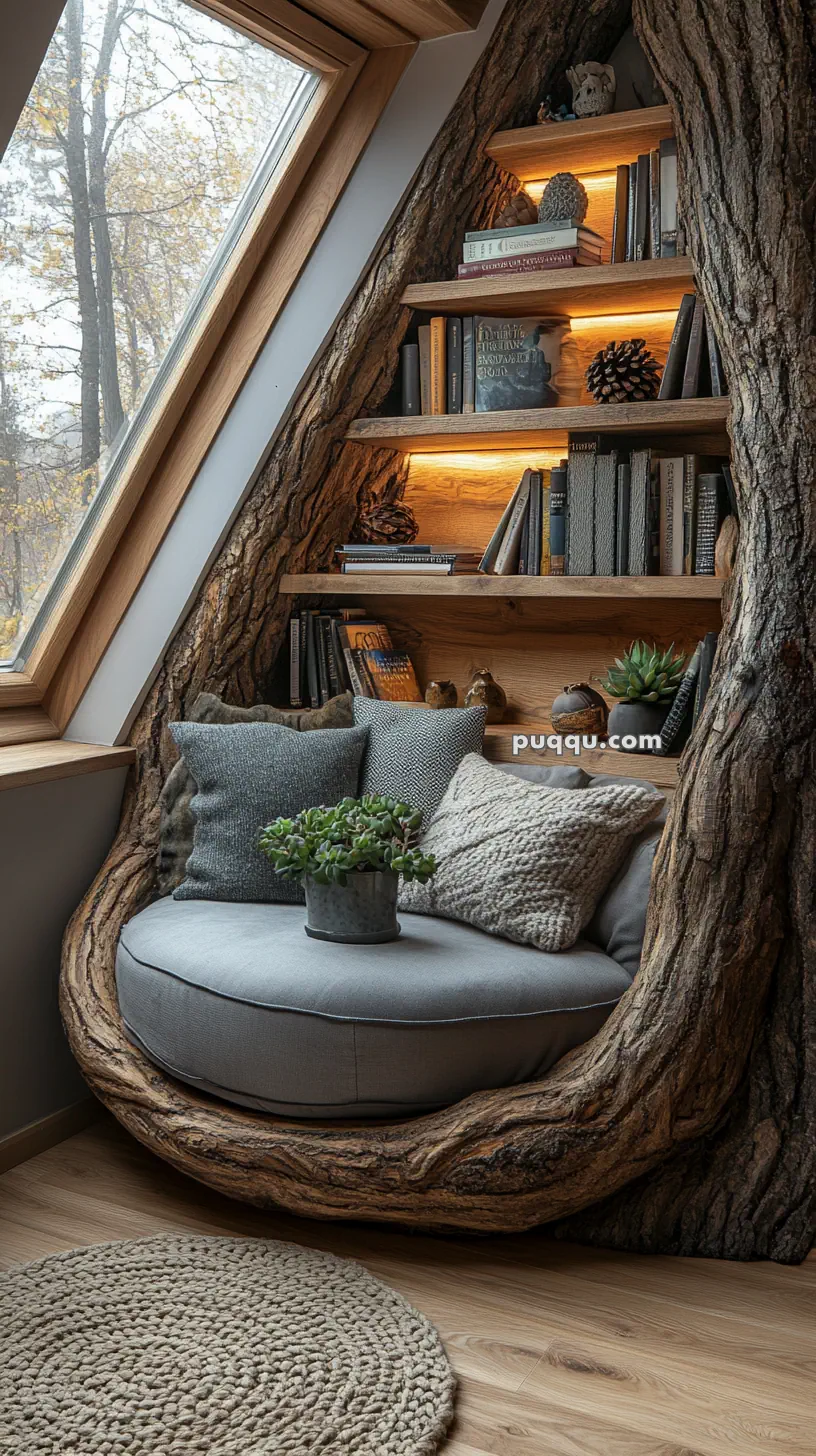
point(420, 104)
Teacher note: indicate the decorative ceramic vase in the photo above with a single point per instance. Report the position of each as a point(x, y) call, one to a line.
point(361, 912)
point(637, 720)
point(579, 709)
point(484, 692)
point(441, 694)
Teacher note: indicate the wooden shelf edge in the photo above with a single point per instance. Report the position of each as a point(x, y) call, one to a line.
point(592, 144)
point(37, 763)
point(508, 429)
point(602, 588)
point(498, 748)
point(654, 285)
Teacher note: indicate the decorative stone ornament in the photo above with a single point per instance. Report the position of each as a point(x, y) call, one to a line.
point(484, 692)
point(563, 197)
point(593, 88)
point(386, 524)
point(579, 709)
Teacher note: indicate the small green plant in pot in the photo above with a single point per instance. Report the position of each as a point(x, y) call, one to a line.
point(349, 860)
point(644, 681)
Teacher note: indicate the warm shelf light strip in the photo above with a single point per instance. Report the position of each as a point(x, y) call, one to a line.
point(596, 182)
point(485, 462)
point(664, 318)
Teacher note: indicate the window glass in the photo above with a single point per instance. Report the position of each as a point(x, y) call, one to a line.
point(151, 131)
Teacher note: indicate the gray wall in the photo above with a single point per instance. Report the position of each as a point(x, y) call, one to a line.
point(53, 838)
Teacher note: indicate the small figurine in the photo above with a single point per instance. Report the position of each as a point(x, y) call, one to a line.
point(593, 88)
point(484, 692)
point(545, 113)
point(441, 694)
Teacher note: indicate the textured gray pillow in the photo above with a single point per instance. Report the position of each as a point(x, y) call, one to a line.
point(522, 860)
point(619, 921)
point(413, 753)
point(248, 774)
point(177, 823)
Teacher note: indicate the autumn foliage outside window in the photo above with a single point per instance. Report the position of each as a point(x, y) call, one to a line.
point(149, 131)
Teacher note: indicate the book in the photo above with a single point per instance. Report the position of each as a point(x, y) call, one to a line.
point(524, 543)
point(725, 470)
point(539, 242)
point(439, 376)
point(304, 677)
point(694, 353)
point(668, 197)
point(342, 665)
point(707, 654)
point(622, 521)
point(516, 362)
point(654, 203)
point(531, 263)
point(398, 549)
point(356, 638)
point(671, 516)
point(491, 551)
point(335, 677)
point(715, 364)
point(294, 661)
point(453, 352)
point(468, 367)
point(640, 482)
point(392, 675)
point(712, 508)
point(508, 555)
point(676, 729)
point(321, 627)
point(411, 398)
point(422, 566)
point(558, 519)
point(581, 453)
point(690, 466)
point(630, 213)
point(544, 564)
point(672, 382)
point(605, 528)
point(620, 219)
point(642, 207)
point(532, 560)
point(524, 230)
point(311, 661)
point(424, 347)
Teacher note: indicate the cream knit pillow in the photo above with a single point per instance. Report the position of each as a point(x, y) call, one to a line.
point(522, 860)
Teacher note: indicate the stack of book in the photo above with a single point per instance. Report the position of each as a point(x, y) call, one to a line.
point(690, 698)
point(529, 249)
point(408, 560)
point(466, 365)
point(645, 219)
point(694, 368)
point(607, 510)
point(337, 651)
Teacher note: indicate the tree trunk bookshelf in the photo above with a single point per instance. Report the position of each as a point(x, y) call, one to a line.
point(535, 634)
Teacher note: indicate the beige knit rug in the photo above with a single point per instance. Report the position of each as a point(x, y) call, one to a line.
point(214, 1347)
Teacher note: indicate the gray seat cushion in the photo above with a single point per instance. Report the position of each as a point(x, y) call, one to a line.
point(238, 1001)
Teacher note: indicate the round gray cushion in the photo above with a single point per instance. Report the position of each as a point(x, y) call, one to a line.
point(237, 1000)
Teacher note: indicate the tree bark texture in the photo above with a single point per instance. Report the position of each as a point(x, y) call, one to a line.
point(725, 979)
point(734, 892)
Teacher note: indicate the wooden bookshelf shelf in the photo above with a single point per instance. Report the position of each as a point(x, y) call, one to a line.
point(602, 588)
point(618, 288)
point(515, 429)
point(596, 144)
point(498, 748)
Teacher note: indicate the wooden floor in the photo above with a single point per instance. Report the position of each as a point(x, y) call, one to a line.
point(562, 1350)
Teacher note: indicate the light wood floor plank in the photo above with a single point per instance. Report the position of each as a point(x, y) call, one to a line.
point(560, 1350)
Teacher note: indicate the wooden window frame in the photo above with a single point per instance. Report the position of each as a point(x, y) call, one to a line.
point(353, 88)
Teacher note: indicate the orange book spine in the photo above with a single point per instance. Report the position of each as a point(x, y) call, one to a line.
point(439, 371)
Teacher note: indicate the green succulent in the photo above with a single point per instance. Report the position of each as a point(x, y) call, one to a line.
point(645, 674)
point(327, 845)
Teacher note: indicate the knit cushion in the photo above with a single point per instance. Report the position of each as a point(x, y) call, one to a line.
point(413, 753)
point(522, 860)
point(177, 823)
point(247, 775)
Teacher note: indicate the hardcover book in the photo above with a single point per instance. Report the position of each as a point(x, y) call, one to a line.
point(712, 508)
point(392, 675)
point(453, 349)
point(508, 557)
point(677, 727)
point(672, 382)
point(631, 209)
point(532, 557)
point(668, 198)
point(694, 353)
point(581, 457)
point(545, 567)
point(539, 242)
point(424, 346)
point(620, 219)
point(671, 516)
point(525, 230)
point(622, 525)
point(642, 208)
point(468, 367)
point(530, 263)
point(707, 654)
point(715, 364)
point(517, 362)
point(411, 400)
point(356, 639)
point(606, 493)
point(439, 373)
point(654, 204)
point(491, 552)
point(640, 518)
point(558, 519)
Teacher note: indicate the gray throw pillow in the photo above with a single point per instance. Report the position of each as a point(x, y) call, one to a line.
point(619, 922)
point(176, 822)
point(413, 753)
point(522, 860)
point(248, 774)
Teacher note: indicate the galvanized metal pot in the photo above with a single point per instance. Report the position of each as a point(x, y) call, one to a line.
point(361, 912)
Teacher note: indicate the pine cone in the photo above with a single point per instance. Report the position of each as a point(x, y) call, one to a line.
point(563, 197)
point(623, 372)
point(390, 524)
point(519, 211)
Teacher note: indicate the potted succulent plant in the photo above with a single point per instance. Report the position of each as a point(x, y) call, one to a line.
point(644, 681)
point(349, 859)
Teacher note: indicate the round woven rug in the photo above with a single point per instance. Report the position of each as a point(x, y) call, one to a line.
point(230, 1347)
